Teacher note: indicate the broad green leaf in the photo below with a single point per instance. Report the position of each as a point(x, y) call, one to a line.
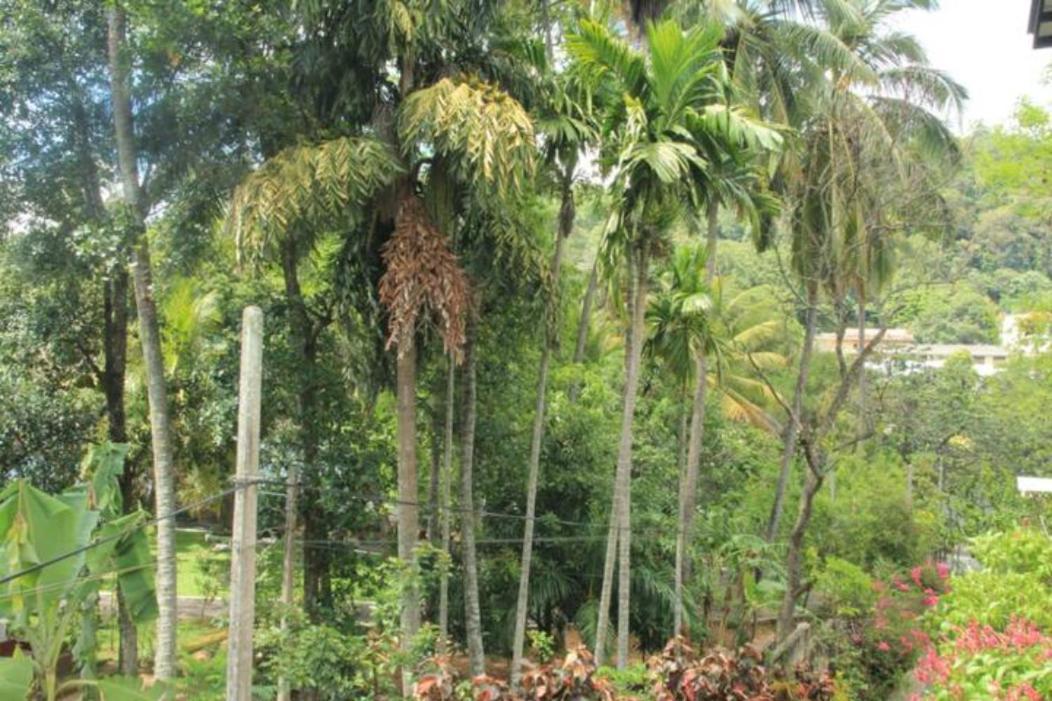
point(16, 674)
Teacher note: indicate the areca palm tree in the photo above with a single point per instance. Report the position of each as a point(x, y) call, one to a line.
point(695, 328)
point(670, 110)
point(567, 125)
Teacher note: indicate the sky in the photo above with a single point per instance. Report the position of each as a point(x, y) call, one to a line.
point(984, 45)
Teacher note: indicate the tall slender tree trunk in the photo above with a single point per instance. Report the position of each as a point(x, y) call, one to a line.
point(149, 332)
point(302, 329)
point(566, 217)
point(689, 484)
point(789, 436)
point(472, 615)
point(446, 498)
point(434, 480)
point(863, 416)
point(619, 541)
point(115, 350)
point(115, 354)
point(583, 324)
point(812, 481)
point(689, 487)
point(408, 511)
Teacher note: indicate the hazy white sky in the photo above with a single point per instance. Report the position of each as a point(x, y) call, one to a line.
point(985, 46)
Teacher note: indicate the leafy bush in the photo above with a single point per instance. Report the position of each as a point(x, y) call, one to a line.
point(1016, 582)
point(982, 662)
point(847, 588)
point(872, 651)
point(315, 657)
point(1025, 550)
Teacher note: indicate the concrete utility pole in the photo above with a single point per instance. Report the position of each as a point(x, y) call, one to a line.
point(243, 563)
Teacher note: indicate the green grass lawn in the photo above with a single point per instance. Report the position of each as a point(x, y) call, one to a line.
point(195, 559)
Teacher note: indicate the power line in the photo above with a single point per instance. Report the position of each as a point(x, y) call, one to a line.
point(117, 536)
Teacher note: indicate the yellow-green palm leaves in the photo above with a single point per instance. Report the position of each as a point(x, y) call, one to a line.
point(687, 318)
point(304, 188)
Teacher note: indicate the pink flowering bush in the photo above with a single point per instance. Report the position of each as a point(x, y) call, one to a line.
point(880, 645)
point(980, 662)
point(994, 629)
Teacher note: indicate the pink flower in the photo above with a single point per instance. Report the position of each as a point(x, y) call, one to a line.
point(899, 584)
point(883, 646)
point(930, 597)
point(943, 570)
point(915, 575)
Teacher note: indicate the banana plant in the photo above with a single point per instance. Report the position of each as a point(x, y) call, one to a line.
point(56, 551)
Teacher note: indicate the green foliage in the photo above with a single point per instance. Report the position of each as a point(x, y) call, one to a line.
point(1015, 583)
point(65, 553)
point(847, 587)
point(315, 658)
point(16, 676)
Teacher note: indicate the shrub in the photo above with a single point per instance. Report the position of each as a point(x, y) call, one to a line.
point(574, 679)
point(982, 662)
point(680, 675)
point(847, 588)
point(1016, 582)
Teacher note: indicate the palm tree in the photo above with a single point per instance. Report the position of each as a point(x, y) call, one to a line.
point(149, 332)
point(871, 123)
point(693, 325)
point(567, 126)
point(670, 111)
point(457, 134)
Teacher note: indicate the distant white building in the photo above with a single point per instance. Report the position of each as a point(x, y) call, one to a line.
point(987, 359)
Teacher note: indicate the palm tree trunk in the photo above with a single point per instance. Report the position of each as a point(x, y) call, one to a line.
point(618, 546)
point(606, 592)
point(302, 329)
point(434, 481)
point(624, 580)
point(863, 418)
point(149, 332)
point(689, 489)
point(446, 499)
point(472, 615)
point(537, 434)
point(689, 484)
point(583, 324)
point(408, 512)
point(789, 436)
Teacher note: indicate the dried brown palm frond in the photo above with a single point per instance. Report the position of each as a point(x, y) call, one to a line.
point(423, 279)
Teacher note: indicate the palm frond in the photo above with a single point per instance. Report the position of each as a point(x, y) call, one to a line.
point(303, 187)
point(480, 128)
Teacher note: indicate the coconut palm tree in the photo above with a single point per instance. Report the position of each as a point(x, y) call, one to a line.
point(671, 110)
point(149, 333)
point(871, 125)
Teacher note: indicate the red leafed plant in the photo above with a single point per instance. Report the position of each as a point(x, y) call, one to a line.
point(438, 685)
point(721, 675)
point(572, 680)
